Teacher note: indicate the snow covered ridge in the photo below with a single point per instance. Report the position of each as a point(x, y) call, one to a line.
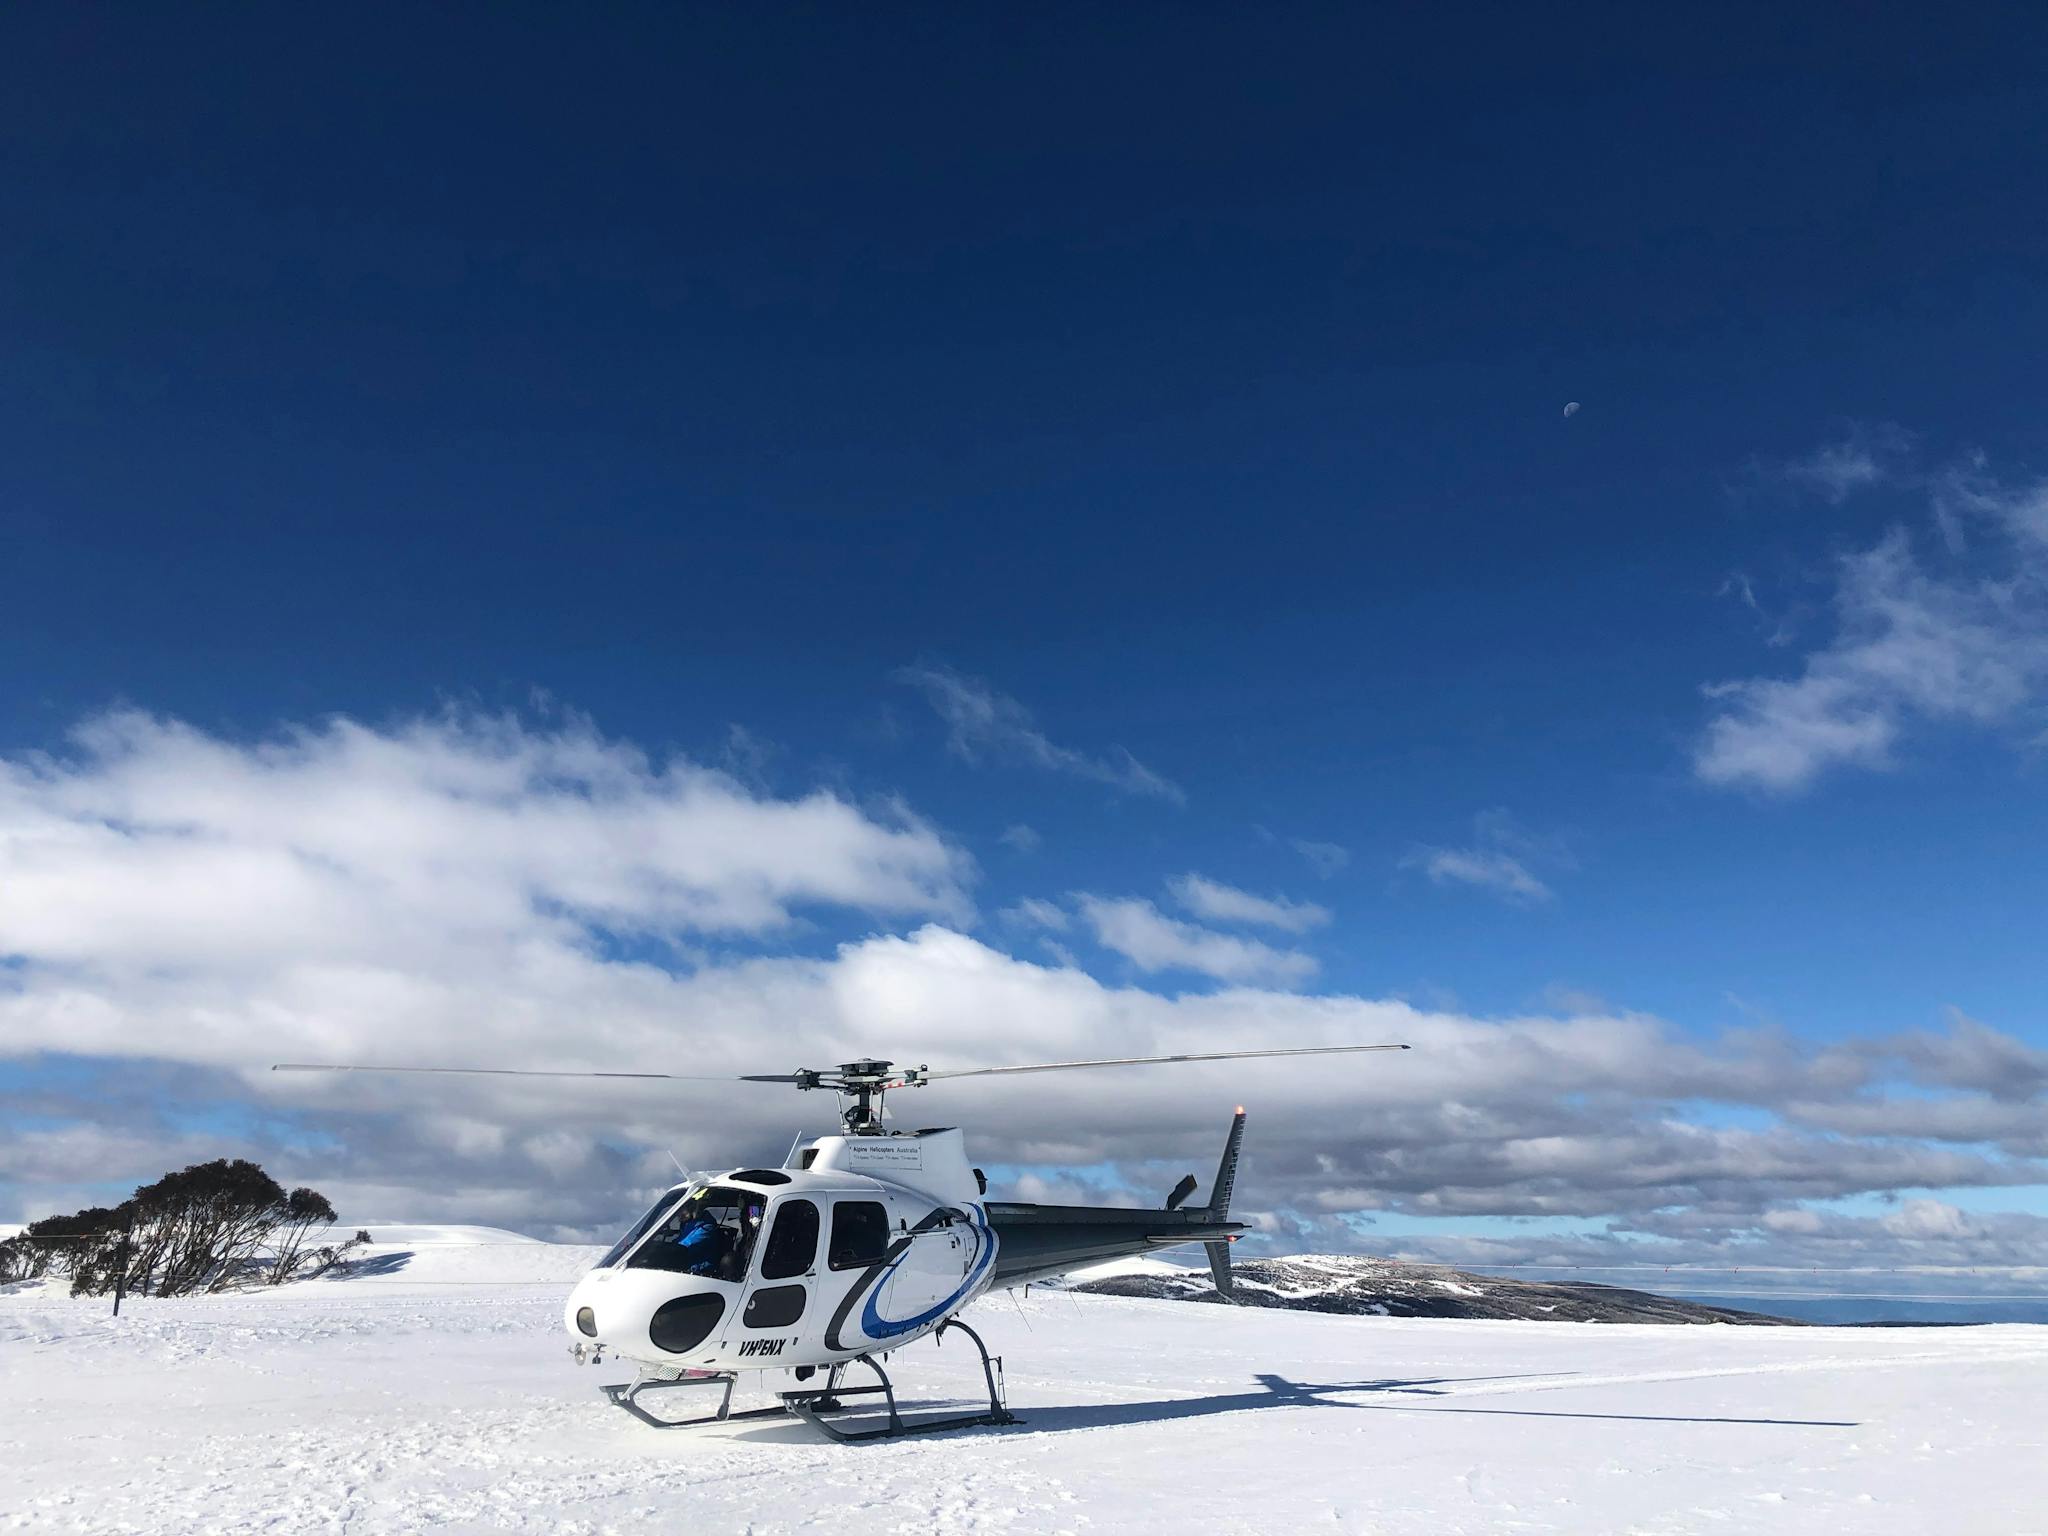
point(423, 1258)
point(1382, 1288)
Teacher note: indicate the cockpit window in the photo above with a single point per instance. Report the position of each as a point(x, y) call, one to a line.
point(711, 1233)
point(638, 1230)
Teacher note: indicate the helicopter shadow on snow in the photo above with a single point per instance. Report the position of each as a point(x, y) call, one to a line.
point(1278, 1392)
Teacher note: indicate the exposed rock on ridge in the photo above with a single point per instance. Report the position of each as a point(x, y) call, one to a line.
point(1380, 1288)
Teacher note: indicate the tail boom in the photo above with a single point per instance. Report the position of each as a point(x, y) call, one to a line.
point(1037, 1242)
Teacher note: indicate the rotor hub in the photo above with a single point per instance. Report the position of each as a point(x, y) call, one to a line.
point(863, 1084)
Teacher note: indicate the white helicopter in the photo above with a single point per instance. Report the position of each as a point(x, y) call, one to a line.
point(861, 1243)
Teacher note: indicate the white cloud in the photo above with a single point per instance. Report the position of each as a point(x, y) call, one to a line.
point(1020, 837)
point(1796, 1219)
point(1912, 643)
point(1498, 861)
point(1974, 1252)
point(983, 723)
point(1220, 903)
point(1966, 493)
point(433, 906)
point(1152, 941)
point(1922, 1220)
point(1529, 1115)
point(1970, 1054)
point(156, 848)
point(1500, 873)
point(1562, 997)
point(1035, 912)
point(1867, 456)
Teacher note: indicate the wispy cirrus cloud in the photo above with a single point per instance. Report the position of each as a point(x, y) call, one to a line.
point(1036, 912)
point(1326, 859)
point(1867, 455)
point(1152, 941)
point(1484, 868)
point(1021, 838)
point(1500, 860)
point(1778, 628)
point(1216, 902)
point(1958, 634)
point(983, 724)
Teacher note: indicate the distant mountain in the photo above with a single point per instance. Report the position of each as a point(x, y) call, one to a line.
point(1378, 1288)
point(1898, 1311)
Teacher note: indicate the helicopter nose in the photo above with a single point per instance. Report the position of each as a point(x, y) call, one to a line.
point(646, 1314)
point(580, 1312)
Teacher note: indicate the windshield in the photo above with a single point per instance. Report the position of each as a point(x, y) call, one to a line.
point(639, 1228)
point(710, 1233)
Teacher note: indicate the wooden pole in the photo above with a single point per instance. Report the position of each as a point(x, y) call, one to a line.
point(121, 1258)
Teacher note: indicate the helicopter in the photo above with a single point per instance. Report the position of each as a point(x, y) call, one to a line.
point(862, 1242)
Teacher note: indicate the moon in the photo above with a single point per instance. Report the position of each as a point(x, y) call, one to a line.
point(1571, 409)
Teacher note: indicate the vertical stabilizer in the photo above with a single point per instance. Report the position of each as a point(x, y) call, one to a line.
point(1219, 1203)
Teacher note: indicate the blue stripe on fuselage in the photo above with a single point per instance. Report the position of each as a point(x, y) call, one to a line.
point(875, 1326)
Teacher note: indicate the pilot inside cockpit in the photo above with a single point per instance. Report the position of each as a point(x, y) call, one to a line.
point(703, 1245)
point(710, 1233)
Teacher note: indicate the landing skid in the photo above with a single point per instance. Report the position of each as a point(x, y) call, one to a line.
point(625, 1394)
point(812, 1405)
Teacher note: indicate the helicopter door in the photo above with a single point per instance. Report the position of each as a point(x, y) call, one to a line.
point(780, 1288)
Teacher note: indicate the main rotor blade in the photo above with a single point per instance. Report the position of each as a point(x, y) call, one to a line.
point(672, 1077)
point(1151, 1061)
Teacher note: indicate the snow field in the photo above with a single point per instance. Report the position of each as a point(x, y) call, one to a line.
point(437, 1393)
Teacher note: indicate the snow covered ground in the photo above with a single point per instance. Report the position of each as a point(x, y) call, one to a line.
point(434, 1391)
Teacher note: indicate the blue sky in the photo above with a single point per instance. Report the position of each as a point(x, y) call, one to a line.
point(1186, 390)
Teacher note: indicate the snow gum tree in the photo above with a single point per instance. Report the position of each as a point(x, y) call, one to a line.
point(202, 1229)
point(60, 1243)
point(304, 1210)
